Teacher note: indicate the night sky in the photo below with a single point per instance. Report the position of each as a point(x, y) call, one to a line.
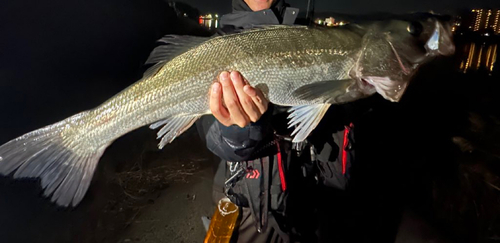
point(362, 6)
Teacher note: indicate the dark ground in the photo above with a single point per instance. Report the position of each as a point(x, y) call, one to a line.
point(411, 183)
point(147, 196)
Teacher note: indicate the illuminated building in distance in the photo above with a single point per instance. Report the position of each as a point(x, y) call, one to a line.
point(485, 20)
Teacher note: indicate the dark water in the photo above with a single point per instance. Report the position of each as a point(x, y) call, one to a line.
point(407, 158)
point(479, 57)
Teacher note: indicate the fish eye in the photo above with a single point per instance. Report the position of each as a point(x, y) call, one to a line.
point(415, 28)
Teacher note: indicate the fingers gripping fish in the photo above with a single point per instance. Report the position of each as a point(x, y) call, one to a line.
point(306, 68)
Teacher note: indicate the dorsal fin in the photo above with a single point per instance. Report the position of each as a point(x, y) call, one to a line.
point(172, 46)
point(152, 70)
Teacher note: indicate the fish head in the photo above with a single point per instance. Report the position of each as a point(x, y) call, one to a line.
point(392, 50)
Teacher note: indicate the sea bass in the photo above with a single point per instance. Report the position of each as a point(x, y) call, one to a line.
point(307, 68)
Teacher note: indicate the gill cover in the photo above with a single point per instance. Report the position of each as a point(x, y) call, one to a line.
point(393, 50)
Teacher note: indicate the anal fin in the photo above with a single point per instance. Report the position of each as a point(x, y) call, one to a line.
point(173, 127)
point(305, 118)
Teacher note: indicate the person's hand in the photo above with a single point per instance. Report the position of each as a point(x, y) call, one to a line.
point(234, 101)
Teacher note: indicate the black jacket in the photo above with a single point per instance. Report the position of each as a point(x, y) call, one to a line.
point(251, 144)
point(234, 143)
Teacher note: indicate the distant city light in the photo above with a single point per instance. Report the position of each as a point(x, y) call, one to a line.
point(330, 22)
point(210, 21)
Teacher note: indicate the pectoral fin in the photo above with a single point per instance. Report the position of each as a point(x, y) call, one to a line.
point(324, 90)
point(173, 127)
point(305, 118)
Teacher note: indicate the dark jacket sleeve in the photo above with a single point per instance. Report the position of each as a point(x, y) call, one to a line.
point(234, 143)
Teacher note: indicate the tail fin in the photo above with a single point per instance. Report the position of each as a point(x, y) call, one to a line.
point(64, 165)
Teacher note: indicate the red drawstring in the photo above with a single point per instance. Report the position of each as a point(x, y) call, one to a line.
point(344, 150)
point(280, 165)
